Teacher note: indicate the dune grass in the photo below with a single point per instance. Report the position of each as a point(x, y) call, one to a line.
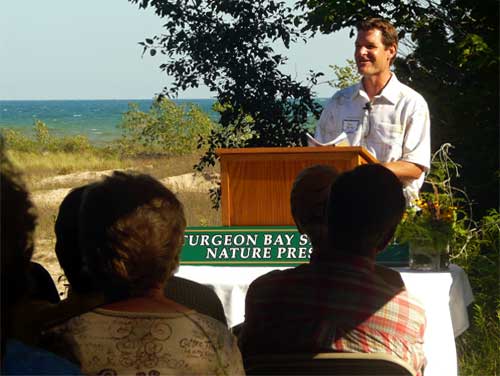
point(198, 209)
point(37, 166)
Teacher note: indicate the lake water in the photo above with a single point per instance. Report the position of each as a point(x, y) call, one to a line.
point(96, 119)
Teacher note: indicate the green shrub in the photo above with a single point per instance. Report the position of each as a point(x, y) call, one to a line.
point(480, 259)
point(42, 136)
point(43, 141)
point(16, 140)
point(73, 144)
point(166, 129)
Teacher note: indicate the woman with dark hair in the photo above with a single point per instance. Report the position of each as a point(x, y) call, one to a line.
point(131, 230)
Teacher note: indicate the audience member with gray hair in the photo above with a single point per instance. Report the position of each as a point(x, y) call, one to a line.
point(191, 294)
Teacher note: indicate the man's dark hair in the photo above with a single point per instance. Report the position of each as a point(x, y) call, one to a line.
point(365, 206)
point(308, 200)
point(68, 250)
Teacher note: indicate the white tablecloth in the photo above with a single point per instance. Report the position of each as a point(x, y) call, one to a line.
point(444, 295)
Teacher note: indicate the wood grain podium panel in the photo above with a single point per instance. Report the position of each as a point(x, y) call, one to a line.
point(256, 182)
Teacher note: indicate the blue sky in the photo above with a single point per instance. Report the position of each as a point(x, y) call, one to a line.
point(73, 49)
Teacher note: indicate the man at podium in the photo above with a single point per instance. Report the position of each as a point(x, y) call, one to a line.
point(380, 113)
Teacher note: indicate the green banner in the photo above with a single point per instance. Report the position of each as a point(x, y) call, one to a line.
point(254, 246)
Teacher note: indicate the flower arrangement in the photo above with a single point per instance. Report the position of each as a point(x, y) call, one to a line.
point(429, 219)
point(438, 218)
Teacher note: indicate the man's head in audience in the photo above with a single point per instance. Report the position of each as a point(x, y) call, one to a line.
point(308, 200)
point(365, 206)
point(67, 247)
point(131, 233)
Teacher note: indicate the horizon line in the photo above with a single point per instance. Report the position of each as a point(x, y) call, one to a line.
point(91, 99)
point(107, 99)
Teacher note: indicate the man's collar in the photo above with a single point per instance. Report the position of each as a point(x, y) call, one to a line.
point(357, 88)
point(390, 92)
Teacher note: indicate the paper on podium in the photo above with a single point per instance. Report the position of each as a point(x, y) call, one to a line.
point(341, 140)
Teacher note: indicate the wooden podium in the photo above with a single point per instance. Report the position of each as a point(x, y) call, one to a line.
point(256, 182)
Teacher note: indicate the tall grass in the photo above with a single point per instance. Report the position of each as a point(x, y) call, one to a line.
point(199, 210)
point(49, 163)
point(479, 347)
point(44, 154)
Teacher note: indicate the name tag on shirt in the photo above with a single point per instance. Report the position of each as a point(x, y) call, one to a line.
point(350, 126)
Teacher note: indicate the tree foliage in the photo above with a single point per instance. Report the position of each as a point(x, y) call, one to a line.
point(226, 45)
point(452, 60)
point(345, 76)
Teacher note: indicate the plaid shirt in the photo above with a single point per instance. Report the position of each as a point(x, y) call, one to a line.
point(342, 305)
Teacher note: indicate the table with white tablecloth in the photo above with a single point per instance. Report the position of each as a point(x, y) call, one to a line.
point(444, 295)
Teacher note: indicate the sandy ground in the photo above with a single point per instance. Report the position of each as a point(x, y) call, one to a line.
point(192, 182)
point(51, 198)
